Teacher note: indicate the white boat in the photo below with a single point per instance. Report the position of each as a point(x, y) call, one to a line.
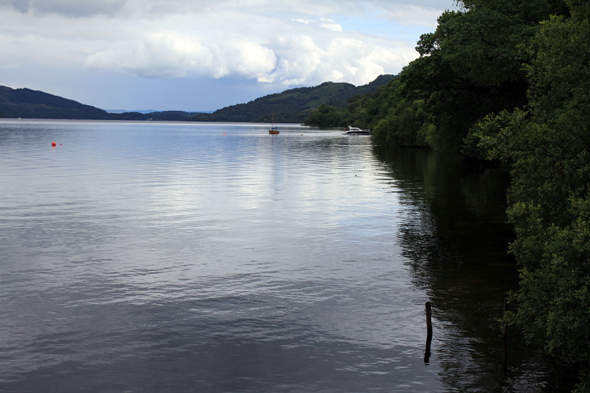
point(357, 131)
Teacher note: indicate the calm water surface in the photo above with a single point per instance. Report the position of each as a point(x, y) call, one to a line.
point(153, 257)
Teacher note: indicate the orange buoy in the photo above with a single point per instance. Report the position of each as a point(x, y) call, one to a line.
point(53, 144)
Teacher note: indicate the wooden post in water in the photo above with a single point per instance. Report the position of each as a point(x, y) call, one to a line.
point(505, 340)
point(428, 332)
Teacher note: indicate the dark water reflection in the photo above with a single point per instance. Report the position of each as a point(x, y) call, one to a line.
point(455, 237)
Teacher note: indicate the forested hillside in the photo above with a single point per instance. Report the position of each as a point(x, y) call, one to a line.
point(293, 105)
point(33, 104)
point(509, 80)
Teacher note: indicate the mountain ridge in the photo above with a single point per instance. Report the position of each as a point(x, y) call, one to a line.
point(293, 105)
point(289, 106)
point(35, 104)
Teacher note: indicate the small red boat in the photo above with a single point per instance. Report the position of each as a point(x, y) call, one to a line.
point(273, 130)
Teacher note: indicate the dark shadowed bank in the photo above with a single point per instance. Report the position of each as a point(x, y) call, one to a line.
point(456, 241)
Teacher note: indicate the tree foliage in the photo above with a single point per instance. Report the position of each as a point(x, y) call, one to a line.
point(404, 121)
point(363, 111)
point(326, 116)
point(471, 65)
point(548, 144)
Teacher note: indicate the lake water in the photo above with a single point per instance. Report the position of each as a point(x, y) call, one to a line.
point(169, 257)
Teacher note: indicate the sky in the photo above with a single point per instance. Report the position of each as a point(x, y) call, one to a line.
point(203, 55)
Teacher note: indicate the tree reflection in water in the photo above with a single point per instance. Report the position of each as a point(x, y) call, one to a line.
point(455, 238)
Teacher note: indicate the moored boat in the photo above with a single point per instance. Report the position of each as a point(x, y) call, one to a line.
point(357, 131)
point(273, 130)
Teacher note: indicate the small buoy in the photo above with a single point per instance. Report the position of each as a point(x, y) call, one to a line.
point(224, 133)
point(301, 134)
point(53, 144)
point(60, 144)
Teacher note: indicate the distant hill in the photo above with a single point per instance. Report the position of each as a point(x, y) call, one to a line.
point(32, 104)
point(157, 116)
point(294, 105)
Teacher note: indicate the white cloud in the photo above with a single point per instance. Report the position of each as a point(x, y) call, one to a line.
point(172, 55)
point(299, 57)
point(250, 60)
point(157, 55)
point(288, 60)
point(301, 20)
point(329, 24)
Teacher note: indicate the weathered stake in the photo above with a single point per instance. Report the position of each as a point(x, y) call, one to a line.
point(428, 332)
point(505, 341)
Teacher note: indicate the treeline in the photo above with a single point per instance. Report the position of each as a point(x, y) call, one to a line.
point(509, 80)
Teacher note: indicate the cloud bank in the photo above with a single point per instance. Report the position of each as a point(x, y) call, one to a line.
point(270, 42)
point(287, 60)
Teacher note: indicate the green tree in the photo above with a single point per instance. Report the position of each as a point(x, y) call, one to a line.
point(326, 116)
point(471, 65)
point(548, 145)
point(404, 122)
point(363, 111)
